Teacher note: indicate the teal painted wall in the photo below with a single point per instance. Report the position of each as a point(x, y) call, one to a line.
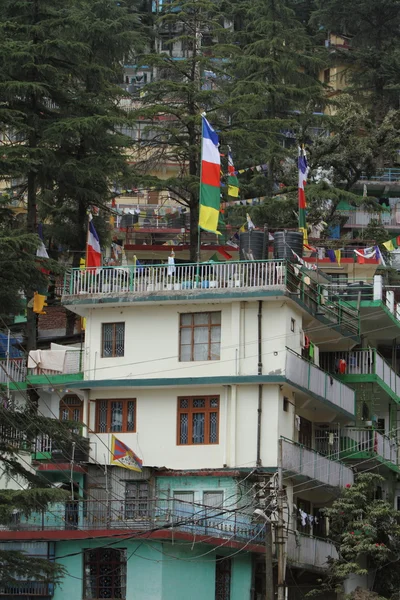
point(157, 571)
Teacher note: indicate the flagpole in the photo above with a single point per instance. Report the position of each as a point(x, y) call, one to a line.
point(87, 239)
point(203, 114)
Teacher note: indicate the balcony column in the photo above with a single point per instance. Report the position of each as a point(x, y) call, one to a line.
point(378, 286)
point(85, 418)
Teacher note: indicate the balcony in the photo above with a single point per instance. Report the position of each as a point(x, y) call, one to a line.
point(310, 464)
point(305, 551)
point(12, 371)
point(207, 280)
point(320, 384)
point(143, 515)
point(363, 444)
point(359, 218)
point(365, 366)
point(27, 589)
point(46, 448)
point(56, 365)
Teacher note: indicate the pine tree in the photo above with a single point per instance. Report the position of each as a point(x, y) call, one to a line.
point(188, 62)
point(373, 59)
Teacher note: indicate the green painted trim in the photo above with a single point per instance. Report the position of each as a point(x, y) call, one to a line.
point(196, 381)
point(362, 456)
point(370, 378)
point(41, 455)
point(54, 379)
point(377, 304)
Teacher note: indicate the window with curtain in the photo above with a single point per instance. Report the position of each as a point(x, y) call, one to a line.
point(104, 573)
point(112, 340)
point(200, 336)
point(116, 416)
point(183, 508)
point(198, 420)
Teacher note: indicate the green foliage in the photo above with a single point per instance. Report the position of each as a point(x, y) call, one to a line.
point(366, 532)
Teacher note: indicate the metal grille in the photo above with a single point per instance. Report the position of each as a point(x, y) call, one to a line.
point(137, 499)
point(105, 573)
point(116, 416)
point(223, 578)
point(103, 416)
point(213, 428)
point(130, 416)
point(113, 340)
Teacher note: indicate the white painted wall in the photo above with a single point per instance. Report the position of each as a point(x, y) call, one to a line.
point(155, 441)
point(152, 340)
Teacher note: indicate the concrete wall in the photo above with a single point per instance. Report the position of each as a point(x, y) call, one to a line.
point(152, 340)
point(157, 571)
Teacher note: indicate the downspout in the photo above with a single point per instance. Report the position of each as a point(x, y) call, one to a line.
point(260, 387)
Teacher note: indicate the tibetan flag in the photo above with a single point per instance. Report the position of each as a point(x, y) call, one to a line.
point(93, 251)
point(123, 456)
point(233, 183)
point(303, 173)
point(210, 179)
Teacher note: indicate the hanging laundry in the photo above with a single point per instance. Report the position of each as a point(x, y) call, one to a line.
point(297, 422)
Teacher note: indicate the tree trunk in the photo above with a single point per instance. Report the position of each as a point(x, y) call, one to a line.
point(194, 230)
point(76, 258)
point(31, 317)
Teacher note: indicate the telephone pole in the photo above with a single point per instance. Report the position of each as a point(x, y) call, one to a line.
point(263, 497)
point(280, 530)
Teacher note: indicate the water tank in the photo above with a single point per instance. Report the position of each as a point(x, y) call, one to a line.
point(353, 290)
point(285, 242)
point(253, 245)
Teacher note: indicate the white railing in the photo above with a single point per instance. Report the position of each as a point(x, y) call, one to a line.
point(141, 280)
point(311, 464)
point(73, 363)
point(13, 370)
point(355, 440)
point(362, 218)
point(366, 361)
point(312, 378)
point(306, 550)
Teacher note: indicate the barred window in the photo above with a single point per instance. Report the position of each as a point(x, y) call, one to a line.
point(113, 340)
point(116, 416)
point(104, 573)
point(136, 499)
point(198, 420)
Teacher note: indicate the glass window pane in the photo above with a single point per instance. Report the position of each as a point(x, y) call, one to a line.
point(199, 403)
point(183, 428)
point(184, 403)
point(214, 402)
point(116, 416)
point(130, 416)
point(119, 339)
point(198, 422)
point(186, 319)
point(215, 351)
point(213, 428)
point(186, 353)
point(201, 318)
point(102, 424)
point(201, 335)
point(200, 352)
point(215, 317)
point(215, 334)
point(186, 336)
point(107, 339)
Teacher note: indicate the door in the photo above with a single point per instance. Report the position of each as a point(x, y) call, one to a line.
point(305, 433)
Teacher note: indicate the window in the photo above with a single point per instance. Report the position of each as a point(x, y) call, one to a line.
point(327, 76)
point(71, 408)
point(285, 404)
point(292, 325)
point(200, 336)
point(136, 499)
point(183, 506)
point(303, 516)
point(113, 340)
point(104, 573)
point(116, 416)
point(214, 519)
point(223, 568)
point(198, 420)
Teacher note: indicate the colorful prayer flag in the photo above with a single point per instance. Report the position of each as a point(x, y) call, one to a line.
point(250, 224)
point(389, 245)
point(233, 183)
point(210, 179)
point(123, 456)
point(303, 173)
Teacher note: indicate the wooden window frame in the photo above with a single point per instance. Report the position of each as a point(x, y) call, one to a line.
point(207, 410)
point(70, 408)
point(192, 327)
point(114, 340)
point(124, 415)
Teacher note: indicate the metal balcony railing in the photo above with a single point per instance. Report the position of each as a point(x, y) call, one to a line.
point(311, 464)
point(142, 515)
point(322, 384)
point(12, 370)
point(355, 440)
point(362, 362)
point(73, 363)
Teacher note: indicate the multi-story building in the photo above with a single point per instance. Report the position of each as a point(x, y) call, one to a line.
point(216, 377)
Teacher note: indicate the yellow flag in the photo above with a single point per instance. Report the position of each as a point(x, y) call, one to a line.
point(389, 245)
point(338, 255)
